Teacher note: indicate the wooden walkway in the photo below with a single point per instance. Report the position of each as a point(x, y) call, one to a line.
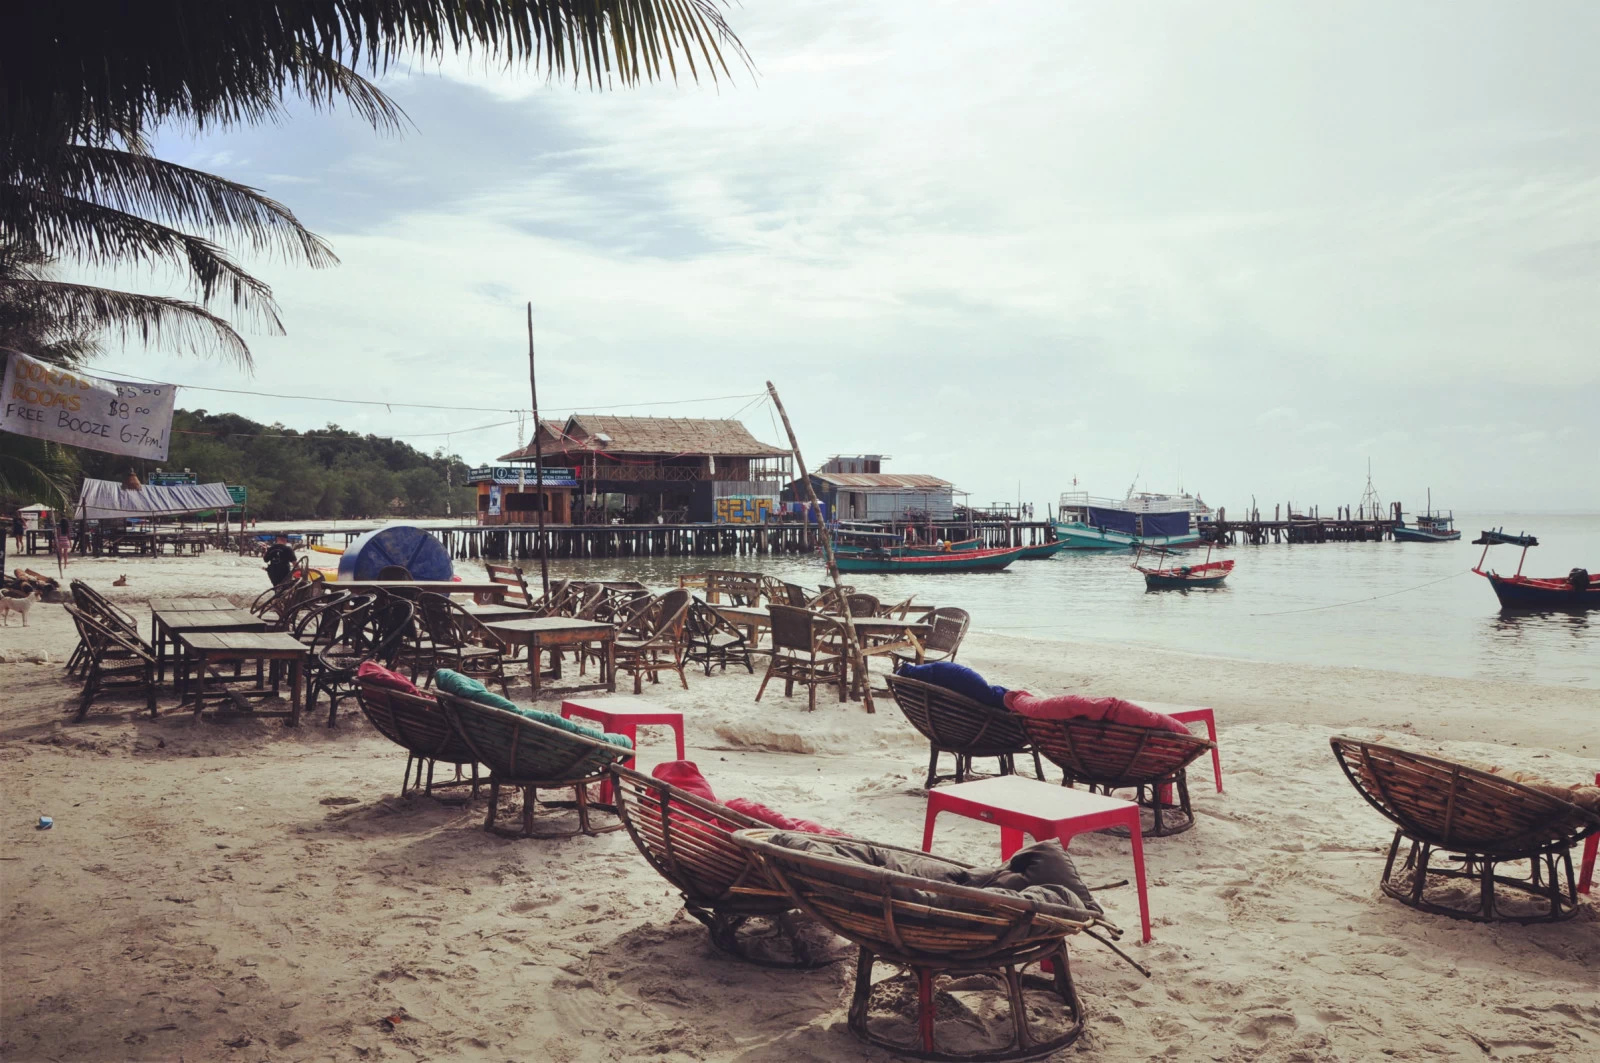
point(520, 542)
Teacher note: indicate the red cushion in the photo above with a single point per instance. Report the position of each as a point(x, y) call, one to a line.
point(778, 819)
point(685, 776)
point(1074, 706)
point(379, 676)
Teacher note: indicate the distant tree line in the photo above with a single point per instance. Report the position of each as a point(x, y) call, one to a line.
point(325, 473)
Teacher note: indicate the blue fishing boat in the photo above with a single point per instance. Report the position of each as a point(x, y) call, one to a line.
point(1576, 590)
point(1430, 527)
point(1086, 523)
point(1043, 550)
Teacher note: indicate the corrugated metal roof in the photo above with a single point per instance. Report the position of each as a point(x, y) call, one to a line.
point(654, 435)
point(882, 481)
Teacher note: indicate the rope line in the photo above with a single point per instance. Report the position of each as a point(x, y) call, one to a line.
point(1375, 597)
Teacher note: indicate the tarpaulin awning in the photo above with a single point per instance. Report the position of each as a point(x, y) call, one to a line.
point(102, 499)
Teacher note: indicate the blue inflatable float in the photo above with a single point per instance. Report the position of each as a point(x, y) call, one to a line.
point(396, 544)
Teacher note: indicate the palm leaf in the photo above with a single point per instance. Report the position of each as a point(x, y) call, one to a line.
point(81, 308)
point(103, 69)
point(65, 226)
point(134, 182)
point(36, 470)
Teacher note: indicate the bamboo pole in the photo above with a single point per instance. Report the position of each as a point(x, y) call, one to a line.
point(852, 644)
point(538, 467)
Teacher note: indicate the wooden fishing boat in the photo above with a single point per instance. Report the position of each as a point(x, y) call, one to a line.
point(894, 546)
point(1576, 590)
point(1180, 577)
point(1043, 550)
point(1430, 527)
point(955, 561)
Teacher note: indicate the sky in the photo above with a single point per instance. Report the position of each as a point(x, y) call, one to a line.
point(1241, 247)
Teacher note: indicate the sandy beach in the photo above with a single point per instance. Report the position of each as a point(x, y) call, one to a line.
point(244, 891)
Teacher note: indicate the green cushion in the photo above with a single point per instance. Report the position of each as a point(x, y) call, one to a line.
point(464, 686)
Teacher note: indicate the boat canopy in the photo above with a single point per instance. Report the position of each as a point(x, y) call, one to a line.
point(1500, 538)
point(1142, 524)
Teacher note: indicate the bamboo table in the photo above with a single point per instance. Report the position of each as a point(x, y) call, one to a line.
point(167, 624)
point(203, 648)
point(555, 633)
point(754, 621)
point(901, 635)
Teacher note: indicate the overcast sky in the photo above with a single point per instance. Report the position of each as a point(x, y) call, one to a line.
point(1242, 245)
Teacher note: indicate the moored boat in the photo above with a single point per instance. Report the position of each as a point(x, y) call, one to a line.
point(1086, 523)
point(1430, 527)
point(1043, 550)
point(1576, 590)
point(1181, 577)
point(955, 561)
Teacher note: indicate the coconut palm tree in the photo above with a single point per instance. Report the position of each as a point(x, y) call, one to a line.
point(83, 82)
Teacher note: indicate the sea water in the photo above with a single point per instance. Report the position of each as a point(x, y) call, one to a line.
point(1404, 607)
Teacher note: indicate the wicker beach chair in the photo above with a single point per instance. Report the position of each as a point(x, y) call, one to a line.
point(342, 645)
point(804, 650)
point(711, 639)
point(454, 638)
point(954, 723)
point(944, 641)
point(417, 725)
point(1112, 756)
point(688, 840)
point(1476, 817)
point(930, 928)
point(533, 756)
point(95, 604)
point(656, 642)
point(113, 661)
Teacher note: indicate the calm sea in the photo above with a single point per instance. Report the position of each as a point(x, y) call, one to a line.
point(1406, 607)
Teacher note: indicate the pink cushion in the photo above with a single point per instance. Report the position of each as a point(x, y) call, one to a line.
point(778, 819)
point(1074, 706)
point(379, 676)
point(685, 776)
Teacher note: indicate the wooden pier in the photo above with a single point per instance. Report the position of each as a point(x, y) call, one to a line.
point(520, 542)
point(1347, 525)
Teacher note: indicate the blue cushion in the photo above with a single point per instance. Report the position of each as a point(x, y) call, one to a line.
point(464, 686)
point(959, 678)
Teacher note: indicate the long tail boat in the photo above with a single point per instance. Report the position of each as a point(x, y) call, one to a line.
point(1044, 550)
point(954, 561)
point(1181, 577)
point(1576, 590)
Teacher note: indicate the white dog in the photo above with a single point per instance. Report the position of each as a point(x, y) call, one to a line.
point(20, 606)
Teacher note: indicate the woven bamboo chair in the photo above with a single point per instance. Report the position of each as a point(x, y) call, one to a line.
point(418, 726)
point(1112, 756)
point(956, 724)
point(657, 643)
point(457, 639)
point(114, 662)
point(804, 651)
point(101, 608)
point(533, 756)
point(711, 639)
point(357, 636)
point(1472, 816)
point(688, 840)
point(944, 641)
point(932, 928)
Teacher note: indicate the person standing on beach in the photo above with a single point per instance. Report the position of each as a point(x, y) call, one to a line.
point(280, 560)
point(17, 528)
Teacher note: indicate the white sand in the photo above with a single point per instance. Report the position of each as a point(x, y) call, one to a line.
point(203, 896)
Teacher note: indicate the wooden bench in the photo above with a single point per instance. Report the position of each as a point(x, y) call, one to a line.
point(516, 587)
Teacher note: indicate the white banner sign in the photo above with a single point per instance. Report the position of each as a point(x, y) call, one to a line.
point(117, 416)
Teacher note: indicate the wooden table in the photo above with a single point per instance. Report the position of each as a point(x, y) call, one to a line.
point(906, 635)
point(753, 620)
point(494, 614)
point(1042, 810)
point(203, 648)
point(480, 588)
point(555, 633)
point(167, 624)
point(188, 605)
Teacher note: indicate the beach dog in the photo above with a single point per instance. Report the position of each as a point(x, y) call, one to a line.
point(20, 606)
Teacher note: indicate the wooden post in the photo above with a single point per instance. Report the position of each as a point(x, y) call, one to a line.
point(852, 644)
point(538, 467)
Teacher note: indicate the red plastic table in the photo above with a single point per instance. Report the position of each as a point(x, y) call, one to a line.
point(1043, 810)
point(624, 716)
point(1590, 847)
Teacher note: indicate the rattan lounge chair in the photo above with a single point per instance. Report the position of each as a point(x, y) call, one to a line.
point(688, 840)
point(418, 726)
point(712, 639)
point(944, 641)
point(533, 756)
point(1475, 817)
point(1112, 756)
point(954, 723)
point(932, 928)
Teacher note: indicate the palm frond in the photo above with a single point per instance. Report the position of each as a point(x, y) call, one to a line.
point(177, 323)
point(65, 226)
point(36, 470)
point(134, 182)
point(102, 69)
